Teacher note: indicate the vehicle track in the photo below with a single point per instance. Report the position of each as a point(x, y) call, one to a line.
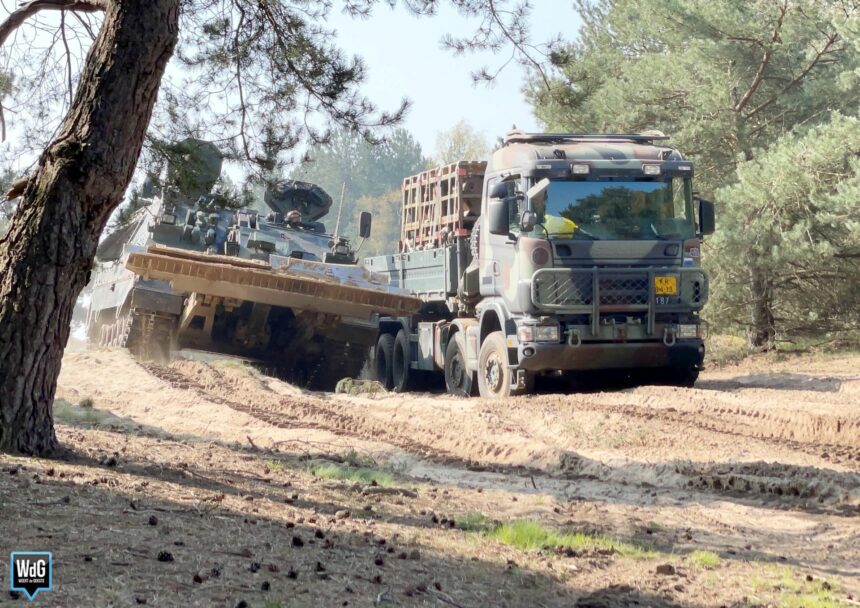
point(290, 412)
point(508, 435)
point(754, 424)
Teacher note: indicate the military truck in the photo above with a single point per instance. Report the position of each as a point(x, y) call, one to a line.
point(565, 253)
point(192, 271)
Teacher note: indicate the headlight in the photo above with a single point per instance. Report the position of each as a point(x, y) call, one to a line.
point(546, 333)
point(688, 331)
point(538, 333)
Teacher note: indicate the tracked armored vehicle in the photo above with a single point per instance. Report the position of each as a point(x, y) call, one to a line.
point(189, 271)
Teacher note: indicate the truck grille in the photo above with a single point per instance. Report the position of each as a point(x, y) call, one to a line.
point(557, 289)
point(572, 288)
point(624, 290)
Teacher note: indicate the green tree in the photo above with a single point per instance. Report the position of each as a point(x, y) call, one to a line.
point(725, 79)
point(385, 236)
point(800, 200)
point(460, 142)
point(366, 169)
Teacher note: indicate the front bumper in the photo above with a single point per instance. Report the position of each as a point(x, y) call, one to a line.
point(609, 355)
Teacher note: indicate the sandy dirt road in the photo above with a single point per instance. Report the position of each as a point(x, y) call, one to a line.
point(759, 463)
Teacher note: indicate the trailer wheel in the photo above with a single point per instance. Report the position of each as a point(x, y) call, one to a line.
point(458, 379)
point(384, 359)
point(400, 363)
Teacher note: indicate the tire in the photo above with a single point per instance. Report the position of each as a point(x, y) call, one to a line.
point(684, 377)
point(458, 380)
point(400, 370)
point(494, 374)
point(383, 360)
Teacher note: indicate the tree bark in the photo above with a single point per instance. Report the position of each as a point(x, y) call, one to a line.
point(48, 250)
point(762, 334)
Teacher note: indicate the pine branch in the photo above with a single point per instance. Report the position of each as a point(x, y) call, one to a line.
point(797, 80)
point(17, 18)
point(768, 52)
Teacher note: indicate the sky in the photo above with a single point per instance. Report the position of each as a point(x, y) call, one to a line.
point(405, 59)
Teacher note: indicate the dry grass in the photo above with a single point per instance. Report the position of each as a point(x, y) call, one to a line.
point(794, 591)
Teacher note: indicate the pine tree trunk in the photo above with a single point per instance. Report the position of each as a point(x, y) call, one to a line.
point(47, 253)
point(762, 335)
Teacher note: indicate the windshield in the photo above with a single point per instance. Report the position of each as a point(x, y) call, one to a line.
point(617, 210)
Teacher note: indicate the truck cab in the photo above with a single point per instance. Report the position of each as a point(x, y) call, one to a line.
point(585, 256)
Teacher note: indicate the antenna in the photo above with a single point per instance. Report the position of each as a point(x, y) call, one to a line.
point(339, 211)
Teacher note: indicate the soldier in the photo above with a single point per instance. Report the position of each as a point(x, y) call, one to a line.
point(294, 218)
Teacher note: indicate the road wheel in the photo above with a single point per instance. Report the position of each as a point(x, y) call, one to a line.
point(458, 379)
point(494, 375)
point(384, 360)
point(400, 363)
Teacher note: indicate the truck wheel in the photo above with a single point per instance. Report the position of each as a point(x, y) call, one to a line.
point(458, 379)
point(677, 376)
point(494, 375)
point(400, 363)
point(383, 360)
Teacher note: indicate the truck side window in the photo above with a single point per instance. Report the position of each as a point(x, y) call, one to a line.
point(512, 185)
point(514, 208)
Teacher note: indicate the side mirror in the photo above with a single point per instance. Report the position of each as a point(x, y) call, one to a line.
point(499, 190)
point(498, 216)
point(707, 219)
point(528, 219)
point(364, 222)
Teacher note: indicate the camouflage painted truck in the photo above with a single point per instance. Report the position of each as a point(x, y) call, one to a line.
point(189, 271)
point(563, 254)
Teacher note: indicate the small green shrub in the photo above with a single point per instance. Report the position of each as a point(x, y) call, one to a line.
point(362, 475)
point(704, 560)
point(475, 522)
point(530, 535)
point(275, 465)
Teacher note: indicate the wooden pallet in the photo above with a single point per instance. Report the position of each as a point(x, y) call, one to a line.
point(440, 203)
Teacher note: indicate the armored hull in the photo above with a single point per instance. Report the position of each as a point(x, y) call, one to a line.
point(199, 275)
